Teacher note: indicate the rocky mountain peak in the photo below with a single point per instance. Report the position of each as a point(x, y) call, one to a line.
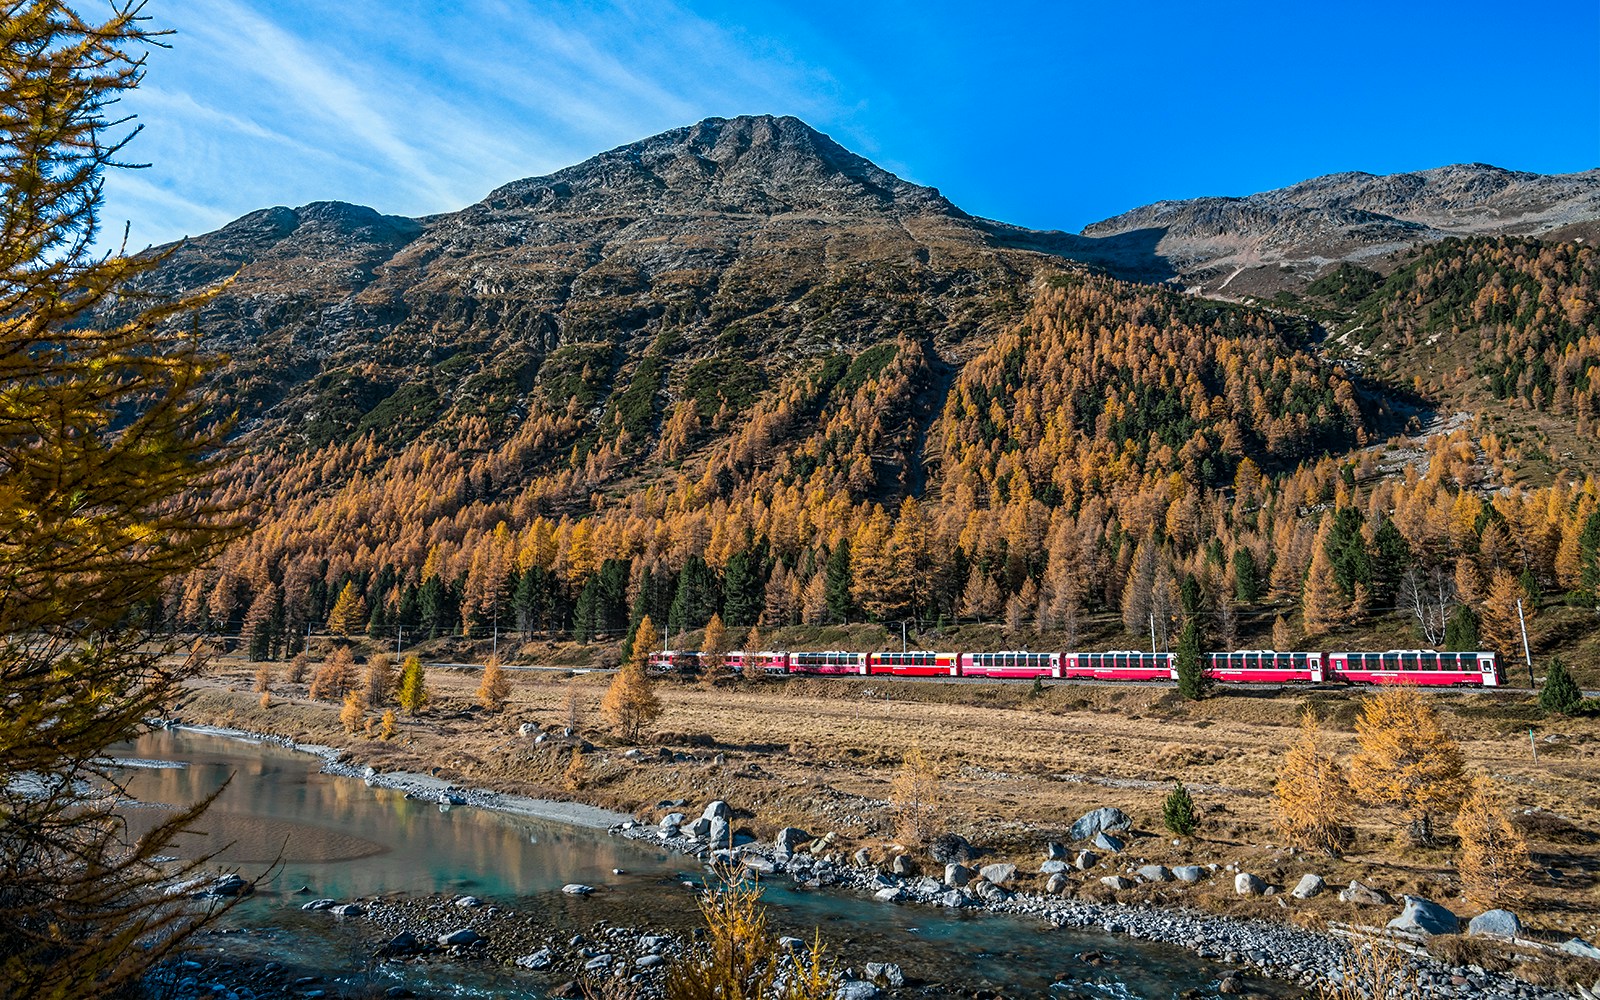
point(760, 165)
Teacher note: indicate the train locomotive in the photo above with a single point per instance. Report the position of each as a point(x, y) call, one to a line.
point(1425, 667)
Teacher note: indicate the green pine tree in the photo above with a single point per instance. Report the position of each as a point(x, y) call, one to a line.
point(1560, 694)
point(1193, 681)
point(1177, 812)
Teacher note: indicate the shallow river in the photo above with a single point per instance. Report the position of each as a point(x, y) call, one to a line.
point(339, 838)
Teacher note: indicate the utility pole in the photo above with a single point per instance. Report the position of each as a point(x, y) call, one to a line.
point(1152, 632)
point(399, 638)
point(902, 637)
point(1526, 656)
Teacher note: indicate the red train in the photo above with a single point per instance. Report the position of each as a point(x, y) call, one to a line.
point(1244, 666)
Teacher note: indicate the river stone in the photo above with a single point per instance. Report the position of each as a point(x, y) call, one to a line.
point(227, 885)
point(998, 874)
point(577, 889)
point(884, 974)
point(1052, 868)
point(790, 838)
point(793, 945)
point(1100, 820)
point(648, 961)
point(597, 963)
point(403, 943)
point(1188, 873)
point(759, 865)
point(889, 894)
point(538, 961)
point(460, 939)
point(671, 822)
point(1055, 852)
point(1057, 884)
point(1108, 843)
point(1495, 923)
point(320, 904)
point(989, 892)
point(1086, 860)
point(1426, 917)
point(1246, 884)
point(950, 847)
point(716, 810)
point(719, 832)
point(957, 875)
point(1155, 873)
point(700, 829)
point(955, 899)
point(468, 901)
point(1308, 886)
point(348, 910)
point(1116, 882)
point(902, 865)
point(1581, 948)
point(856, 989)
point(1365, 895)
point(863, 858)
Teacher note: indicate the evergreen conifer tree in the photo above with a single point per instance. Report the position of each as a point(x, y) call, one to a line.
point(1177, 811)
point(1560, 694)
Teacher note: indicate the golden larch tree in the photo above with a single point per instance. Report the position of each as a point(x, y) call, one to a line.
point(353, 714)
point(413, 694)
point(915, 795)
point(349, 614)
point(380, 682)
point(630, 703)
point(1312, 794)
point(336, 677)
point(1322, 605)
point(1499, 627)
point(1493, 859)
point(495, 688)
point(1406, 760)
point(714, 648)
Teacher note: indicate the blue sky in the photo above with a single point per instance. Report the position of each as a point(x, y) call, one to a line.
point(1049, 115)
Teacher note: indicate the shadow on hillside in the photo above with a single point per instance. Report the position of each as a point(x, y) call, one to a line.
point(1131, 256)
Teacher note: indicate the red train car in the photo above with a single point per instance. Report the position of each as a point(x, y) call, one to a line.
point(1417, 666)
point(918, 663)
point(1013, 663)
point(674, 661)
point(831, 662)
point(1266, 666)
point(1119, 665)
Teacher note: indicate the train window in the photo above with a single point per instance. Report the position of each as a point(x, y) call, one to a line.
point(1408, 661)
point(1449, 661)
point(1391, 661)
point(1236, 660)
point(1299, 660)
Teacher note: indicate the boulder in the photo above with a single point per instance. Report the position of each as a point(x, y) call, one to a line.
point(527, 729)
point(348, 910)
point(1086, 860)
point(320, 904)
point(998, 874)
point(577, 889)
point(889, 894)
point(648, 961)
point(720, 832)
point(856, 989)
point(1053, 867)
point(1495, 923)
point(1425, 917)
point(950, 847)
point(671, 823)
point(1055, 852)
point(989, 892)
point(1365, 895)
point(462, 938)
point(1188, 873)
point(1246, 884)
point(957, 875)
point(228, 885)
point(1116, 882)
point(1108, 843)
point(792, 945)
point(902, 865)
point(597, 963)
point(468, 901)
point(700, 829)
point(403, 943)
point(1581, 948)
point(1155, 873)
point(1308, 886)
point(884, 974)
point(716, 810)
point(538, 961)
point(954, 899)
point(759, 864)
point(1057, 884)
point(863, 858)
point(790, 838)
point(1100, 820)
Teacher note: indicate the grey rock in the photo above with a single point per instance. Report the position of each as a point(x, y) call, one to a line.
point(889, 894)
point(717, 809)
point(348, 910)
point(856, 989)
point(1425, 917)
point(989, 892)
point(1108, 843)
point(227, 886)
point(403, 943)
point(1100, 820)
point(700, 829)
point(1365, 895)
point(955, 899)
point(957, 875)
point(538, 961)
point(527, 729)
point(719, 832)
point(320, 904)
point(792, 945)
point(1495, 923)
point(597, 963)
point(577, 889)
point(671, 822)
point(1116, 882)
point(884, 974)
point(902, 865)
point(468, 901)
point(1155, 873)
point(1308, 886)
point(460, 939)
point(790, 838)
point(1053, 867)
point(950, 847)
point(648, 961)
point(863, 858)
point(1055, 852)
point(998, 874)
point(1581, 948)
point(1188, 873)
point(1086, 860)
point(759, 864)
point(1246, 884)
point(1057, 884)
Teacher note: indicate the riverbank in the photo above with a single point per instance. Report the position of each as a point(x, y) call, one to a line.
point(1250, 947)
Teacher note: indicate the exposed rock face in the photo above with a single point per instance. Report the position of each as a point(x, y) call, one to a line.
point(1425, 917)
point(1106, 818)
point(1495, 923)
point(1278, 239)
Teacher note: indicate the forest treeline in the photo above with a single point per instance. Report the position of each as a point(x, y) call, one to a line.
point(1121, 448)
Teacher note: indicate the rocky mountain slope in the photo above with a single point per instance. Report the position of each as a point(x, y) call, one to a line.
point(1284, 239)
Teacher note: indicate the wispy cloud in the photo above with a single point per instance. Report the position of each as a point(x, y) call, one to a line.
point(418, 107)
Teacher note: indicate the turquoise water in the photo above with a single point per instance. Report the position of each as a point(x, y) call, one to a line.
point(338, 838)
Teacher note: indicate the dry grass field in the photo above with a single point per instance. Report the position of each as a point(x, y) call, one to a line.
point(1016, 769)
